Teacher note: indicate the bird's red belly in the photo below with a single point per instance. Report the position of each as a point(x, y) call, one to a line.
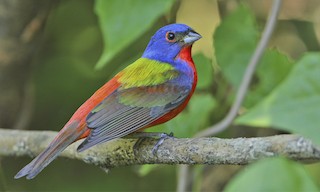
point(185, 54)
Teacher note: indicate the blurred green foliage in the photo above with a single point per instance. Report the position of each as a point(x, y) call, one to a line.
point(273, 68)
point(275, 174)
point(284, 94)
point(294, 105)
point(279, 98)
point(234, 41)
point(123, 22)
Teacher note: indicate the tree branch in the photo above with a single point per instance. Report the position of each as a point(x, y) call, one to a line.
point(242, 91)
point(248, 74)
point(173, 151)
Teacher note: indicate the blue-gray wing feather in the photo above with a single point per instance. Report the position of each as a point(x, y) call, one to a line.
point(115, 118)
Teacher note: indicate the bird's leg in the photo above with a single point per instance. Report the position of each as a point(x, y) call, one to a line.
point(143, 135)
point(163, 136)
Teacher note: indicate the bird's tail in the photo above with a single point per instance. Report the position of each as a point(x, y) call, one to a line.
point(65, 137)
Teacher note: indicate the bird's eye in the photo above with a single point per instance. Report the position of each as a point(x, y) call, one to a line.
point(170, 36)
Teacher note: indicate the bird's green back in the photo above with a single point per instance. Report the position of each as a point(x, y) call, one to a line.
point(146, 72)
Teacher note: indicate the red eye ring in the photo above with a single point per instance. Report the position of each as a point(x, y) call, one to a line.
point(170, 36)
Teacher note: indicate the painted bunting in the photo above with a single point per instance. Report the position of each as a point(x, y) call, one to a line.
point(150, 91)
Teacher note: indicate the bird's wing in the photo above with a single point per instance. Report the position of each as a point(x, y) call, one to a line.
point(132, 107)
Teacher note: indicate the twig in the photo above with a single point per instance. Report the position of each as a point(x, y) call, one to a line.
point(227, 121)
point(120, 152)
point(26, 110)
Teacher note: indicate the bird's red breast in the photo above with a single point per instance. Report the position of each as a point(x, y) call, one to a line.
point(152, 90)
point(185, 55)
point(113, 84)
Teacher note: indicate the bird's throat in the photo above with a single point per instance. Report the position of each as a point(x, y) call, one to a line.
point(185, 54)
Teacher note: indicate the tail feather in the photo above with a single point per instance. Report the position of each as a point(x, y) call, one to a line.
point(65, 137)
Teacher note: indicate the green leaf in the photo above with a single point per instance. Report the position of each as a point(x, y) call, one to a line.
point(194, 118)
point(234, 42)
point(123, 22)
point(294, 105)
point(314, 171)
point(204, 70)
point(277, 174)
point(273, 68)
point(146, 169)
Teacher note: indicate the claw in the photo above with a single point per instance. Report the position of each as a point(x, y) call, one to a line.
point(137, 144)
point(163, 137)
point(143, 135)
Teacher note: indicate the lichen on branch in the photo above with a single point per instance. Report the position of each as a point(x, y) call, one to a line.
point(120, 152)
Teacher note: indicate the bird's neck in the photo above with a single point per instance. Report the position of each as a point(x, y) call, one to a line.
point(185, 55)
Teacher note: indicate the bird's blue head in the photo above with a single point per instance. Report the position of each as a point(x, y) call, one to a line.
point(168, 41)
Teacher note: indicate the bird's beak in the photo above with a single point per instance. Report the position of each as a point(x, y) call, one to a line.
point(191, 37)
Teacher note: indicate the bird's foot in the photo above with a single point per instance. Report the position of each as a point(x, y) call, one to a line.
point(137, 144)
point(143, 135)
point(163, 136)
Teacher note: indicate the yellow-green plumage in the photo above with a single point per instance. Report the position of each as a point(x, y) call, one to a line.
point(145, 94)
point(144, 83)
point(146, 72)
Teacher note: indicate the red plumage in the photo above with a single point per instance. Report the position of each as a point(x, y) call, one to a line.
point(104, 116)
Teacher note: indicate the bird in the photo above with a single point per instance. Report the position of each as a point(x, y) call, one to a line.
point(152, 90)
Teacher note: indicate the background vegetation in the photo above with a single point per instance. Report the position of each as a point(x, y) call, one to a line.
point(86, 42)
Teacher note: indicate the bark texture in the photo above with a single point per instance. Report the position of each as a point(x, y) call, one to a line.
point(213, 151)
